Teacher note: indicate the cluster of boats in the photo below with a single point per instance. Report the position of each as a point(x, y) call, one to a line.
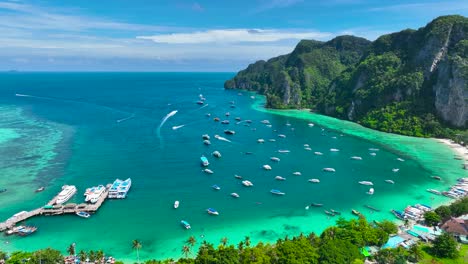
point(413, 212)
point(21, 230)
point(459, 190)
point(119, 189)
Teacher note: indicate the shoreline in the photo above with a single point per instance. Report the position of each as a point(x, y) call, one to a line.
point(458, 150)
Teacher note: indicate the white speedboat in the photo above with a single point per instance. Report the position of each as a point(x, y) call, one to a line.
point(284, 151)
point(185, 224)
point(314, 180)
point(395, 170)
point(267, 167)
point(247, 183)
point(119, 188)
point(279, 178)
point(277, 192)
point(205, 137)
point(297, 173)
point(390, 181)
point(306, 145)
point(318, 153)
point(374, 149)
point(369, 183)
point(308, 148)
point(400, 159)
point(216, 187)
point(83, 214)
point(208, 171)
point(206, 142)
point(67, 192)
point(176, 204)
point(281, 135)
point(216, 154)
point(329, 169)
point(275, 159)
point(356, 158)
point(272, 140)
point(260, 140)
point(373, 154)
point(235, 195)
point(204, 161)
point(334, 150)
point(212, 211)
point(371, 191)
point(310, 124)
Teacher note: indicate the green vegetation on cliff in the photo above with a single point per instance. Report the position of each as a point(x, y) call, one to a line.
point(414, 82)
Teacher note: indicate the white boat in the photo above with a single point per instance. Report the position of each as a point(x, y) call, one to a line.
point(318, 153)
point(314, 180)
point(281, 135)
point(329, 169)
point(307, 148)
point(216, 154)
point(260, 140)
point(390, 181)
point(310, 124)
point(374, 149)
point(275, 159)
point(265, 122)
point(247, 183)
point(369, 183)
point(204, 161)
point(334, 150)
point(205, 137)
point(306, 145)
point(176, 204)
point(395, 170)
point(208, 171)
point(356, 158)
point(206, 142)
point(216, 187)
point(272, 140)
point(434, 191)
point(119, 188)
point(371, 191)
point(235, 195)
point(185, 224)
point(400, 159)
point(297, 173)
point(212, 211)
point(284, 151)
point(267, 167)
point(67, 192)
point(279, 178)
point(95, 194)
point(277, 192)
point(83, 214)
point(373, 154)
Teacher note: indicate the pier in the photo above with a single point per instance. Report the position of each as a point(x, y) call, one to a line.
point(52, 209)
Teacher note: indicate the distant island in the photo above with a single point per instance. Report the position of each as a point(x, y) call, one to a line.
point(413, 82)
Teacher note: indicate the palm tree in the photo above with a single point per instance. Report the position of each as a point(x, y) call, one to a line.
point(247, 241)
point(100, 256)
point(71, 249)
point(191, 241)
point(92, 256)
point(224, 241)
point(415, 252)
point(82, 255)
point(240, 246)
point(186, 250)
point(137, 245)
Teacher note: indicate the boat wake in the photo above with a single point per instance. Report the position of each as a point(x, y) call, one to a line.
point(177, 127)
point(125, 119)
point(163, 121)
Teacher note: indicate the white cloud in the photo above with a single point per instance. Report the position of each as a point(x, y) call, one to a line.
point(233, 36)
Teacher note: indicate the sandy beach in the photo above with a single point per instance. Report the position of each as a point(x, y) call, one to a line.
point(459, 150)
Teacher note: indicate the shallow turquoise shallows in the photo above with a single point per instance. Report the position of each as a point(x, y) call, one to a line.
point(87, 129)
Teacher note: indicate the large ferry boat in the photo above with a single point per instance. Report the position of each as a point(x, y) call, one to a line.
point(67, 192)
point(119, 189)
point(93, 194)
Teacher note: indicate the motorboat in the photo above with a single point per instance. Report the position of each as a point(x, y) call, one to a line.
point(40, 189)
point(335, 212)
point(395, 170)
point(206, 137)
point(281, 135)
point(247, 183)
point(267, 167)
point(436, 178)
point(216, 187)
point(237, 119)
point(374, 149)
point(284, 151)
point(208, 171)
point(390, 181)
point(272, 140)
point(26, 230)
point(176, 204)
point(216, 119)
point(318, 153)
point(248, 121)
point(279, 178)
point(314, 180)
point(356, 158)
point(306, 145)
point(297, 173)
point(216, 154)
point(185, 224)
point(316, 204)
point(371, 191)
point(266, 122)
point(434, 191)
point(373, 154)
point(277, 192)
point(334, 150)
point(229, 132)
point(329, 213)
point(235, 195)
point(67, 192)
point(275, 159)
point(212, 211)
point(94, 194)
point(400, 159)
point(225, 122)
point(310, 124)
point(237, 176)
point(119, 188)
point(308, 148)
point(366, 183)
point(260, 140)
point(204, 161)
point(200, 102)
point(227, 114)
point(355, 212)
point(206, 142)
point(329, 169)
point(83, 214)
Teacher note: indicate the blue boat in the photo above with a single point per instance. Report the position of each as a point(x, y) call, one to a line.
point(212, 211)
point(204, 161)
point(185, 224)
point(83, 214)
point(216, 187)
point(277, 192)
point(399, 214)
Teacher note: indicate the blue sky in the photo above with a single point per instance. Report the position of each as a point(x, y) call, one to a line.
point(186, 35)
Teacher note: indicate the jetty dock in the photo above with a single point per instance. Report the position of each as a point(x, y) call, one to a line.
point(51, 209)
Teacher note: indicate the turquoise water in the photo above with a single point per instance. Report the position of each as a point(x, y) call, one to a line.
point(91, 128)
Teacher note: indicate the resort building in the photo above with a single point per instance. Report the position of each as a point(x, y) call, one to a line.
point(458, 227)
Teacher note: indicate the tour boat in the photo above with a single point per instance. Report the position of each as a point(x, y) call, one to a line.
point(216, 154)
point(434, 191)
point(247, 183)
point(260, 140)
point(208, 171)
point(204, 161)
point(212, 211)
point(356, 158)
point(329, 169)
point(366, 183)
point(297, 173)
point(279, 178)
point(216, 187)
point(83, 214)
point(67, 192)
point(390, 181)
point(371, 191)
point(314, 180)
point(40, 189)
point(176, 204)
point(206, 137)
point(185, 224)
point(119, 189)
point(277, 192)
point(318, 153)
point(267, 167)
point(235, 195)
point(275, 159)
point(27, 230)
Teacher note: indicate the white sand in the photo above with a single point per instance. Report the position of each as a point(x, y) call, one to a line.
point(458, 149)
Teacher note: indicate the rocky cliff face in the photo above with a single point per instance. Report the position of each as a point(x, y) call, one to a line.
point(417, 75)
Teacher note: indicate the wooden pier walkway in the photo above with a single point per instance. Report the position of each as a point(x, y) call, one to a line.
point(70, 208)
